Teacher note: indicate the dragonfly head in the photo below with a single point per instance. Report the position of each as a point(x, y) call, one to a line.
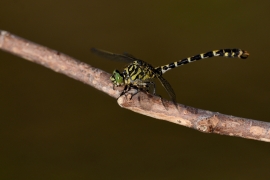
point(117, 78)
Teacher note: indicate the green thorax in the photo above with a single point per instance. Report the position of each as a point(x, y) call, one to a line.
point(136, 73)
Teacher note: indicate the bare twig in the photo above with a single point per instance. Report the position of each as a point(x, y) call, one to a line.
point(147, 104)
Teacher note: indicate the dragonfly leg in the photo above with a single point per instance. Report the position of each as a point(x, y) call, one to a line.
point(127, 89)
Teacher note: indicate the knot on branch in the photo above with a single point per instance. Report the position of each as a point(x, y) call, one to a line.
point(207, 125)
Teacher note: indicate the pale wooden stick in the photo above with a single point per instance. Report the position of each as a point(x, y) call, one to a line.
point(147, 104)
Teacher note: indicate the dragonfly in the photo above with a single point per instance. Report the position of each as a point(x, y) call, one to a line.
point(139, 74)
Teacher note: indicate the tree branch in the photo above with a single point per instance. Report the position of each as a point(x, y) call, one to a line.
point(143, 103)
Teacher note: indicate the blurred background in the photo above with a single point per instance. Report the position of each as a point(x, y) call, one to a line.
point(53, 127)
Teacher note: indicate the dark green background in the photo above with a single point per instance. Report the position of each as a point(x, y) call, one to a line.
point(53, 127)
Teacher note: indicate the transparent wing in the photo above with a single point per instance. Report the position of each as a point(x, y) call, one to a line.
point(129, 55)
point(115, 57)
point(168, 88)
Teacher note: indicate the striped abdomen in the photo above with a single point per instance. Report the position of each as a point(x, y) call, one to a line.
point(231, 53)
